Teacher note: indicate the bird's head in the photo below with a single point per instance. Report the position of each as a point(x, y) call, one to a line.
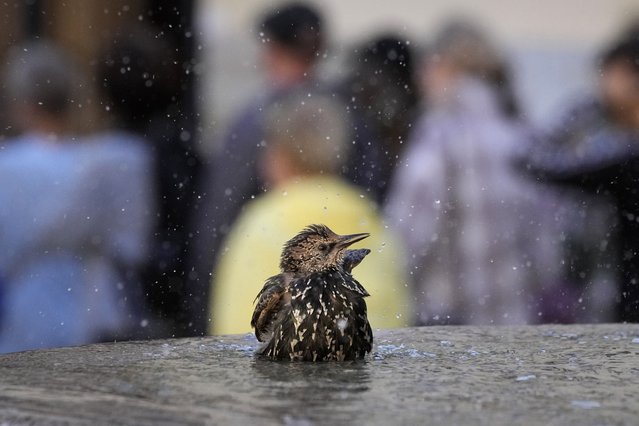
point(315, 249)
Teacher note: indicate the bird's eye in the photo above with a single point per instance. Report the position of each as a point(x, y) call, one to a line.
point(323, 247)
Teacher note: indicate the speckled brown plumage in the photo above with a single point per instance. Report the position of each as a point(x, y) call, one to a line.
point(314, 310)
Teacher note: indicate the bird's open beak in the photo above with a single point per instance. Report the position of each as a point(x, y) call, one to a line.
point(347, 240)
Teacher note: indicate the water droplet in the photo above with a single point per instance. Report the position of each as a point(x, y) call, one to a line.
point(586, 405)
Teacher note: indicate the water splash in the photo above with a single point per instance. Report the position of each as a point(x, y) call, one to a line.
point(387, 351)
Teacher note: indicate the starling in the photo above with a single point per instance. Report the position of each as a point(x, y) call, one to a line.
point(314, 310)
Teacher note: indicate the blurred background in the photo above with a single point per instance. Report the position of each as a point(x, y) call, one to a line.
point(552, 46)
point(161, 89)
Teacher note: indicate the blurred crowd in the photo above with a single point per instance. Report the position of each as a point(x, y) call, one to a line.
point(476, 216)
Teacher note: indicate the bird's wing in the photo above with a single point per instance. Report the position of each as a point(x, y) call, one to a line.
point(364, 337)
point(269, 303)
point(352, 258)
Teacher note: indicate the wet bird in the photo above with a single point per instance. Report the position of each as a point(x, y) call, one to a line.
point(314, 310)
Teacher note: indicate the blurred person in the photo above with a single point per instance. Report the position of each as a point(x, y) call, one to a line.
point(140, 76)
point(382, 88)
point(471, 223)
point(292, 40)
point(594, 150)
point(74, 215)
point(306, 145)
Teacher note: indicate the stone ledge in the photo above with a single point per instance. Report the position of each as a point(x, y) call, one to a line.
point(551, 375)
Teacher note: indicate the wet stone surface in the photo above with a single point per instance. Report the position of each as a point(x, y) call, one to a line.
point(550, 375)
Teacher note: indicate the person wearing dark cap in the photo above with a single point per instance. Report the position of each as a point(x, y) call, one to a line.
point(292, 41)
